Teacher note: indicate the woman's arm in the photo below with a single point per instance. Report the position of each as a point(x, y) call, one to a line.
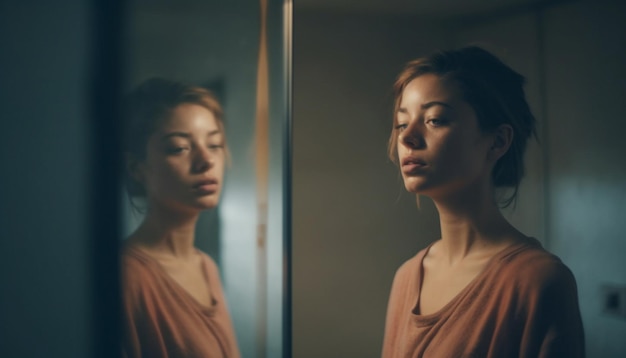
point(553, 326)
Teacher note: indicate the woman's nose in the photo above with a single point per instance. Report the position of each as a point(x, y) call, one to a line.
point(203, 160)
point(412, 136)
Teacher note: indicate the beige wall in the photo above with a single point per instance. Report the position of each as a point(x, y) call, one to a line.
point(353, 224)
point(516, 40)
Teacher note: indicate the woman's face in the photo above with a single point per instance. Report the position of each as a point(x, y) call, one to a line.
point(184, 163)
point(440, 146)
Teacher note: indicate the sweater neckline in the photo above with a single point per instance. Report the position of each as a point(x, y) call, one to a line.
point(174, 285)
point(432, 318)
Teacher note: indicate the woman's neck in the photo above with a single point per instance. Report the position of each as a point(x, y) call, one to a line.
point(167, 233)
point(471, 223)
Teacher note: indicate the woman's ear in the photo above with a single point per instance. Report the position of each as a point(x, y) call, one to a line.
point(502, 140)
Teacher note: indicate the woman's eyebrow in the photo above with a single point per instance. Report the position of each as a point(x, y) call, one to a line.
point(175, 134)
point(428, 105)
point(188, 135)
point(435, 103)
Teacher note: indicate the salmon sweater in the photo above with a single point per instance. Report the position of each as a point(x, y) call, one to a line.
point(162, 320)
point(523, 304)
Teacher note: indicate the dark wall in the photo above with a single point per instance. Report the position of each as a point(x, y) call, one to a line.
point(572, 55)
point(45, 272)
point(585, 85)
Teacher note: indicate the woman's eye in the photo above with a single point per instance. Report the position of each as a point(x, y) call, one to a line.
point(436, 122)
point(176, 150)
point(216, 146)
point(401, 127)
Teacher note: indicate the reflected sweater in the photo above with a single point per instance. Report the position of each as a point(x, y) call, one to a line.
point(161, 319)
point(523, 304)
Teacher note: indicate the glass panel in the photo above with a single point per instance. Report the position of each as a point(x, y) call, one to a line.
point(237, 51)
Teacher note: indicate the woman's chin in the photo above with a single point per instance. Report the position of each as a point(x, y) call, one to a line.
point(206, 203)
point(416, 185)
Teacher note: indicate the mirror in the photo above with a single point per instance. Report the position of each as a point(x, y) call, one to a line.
point(346, 58)
point(238, 50)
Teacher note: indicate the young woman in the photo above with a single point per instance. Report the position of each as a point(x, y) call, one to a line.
point(461, 125)
point(175, 147)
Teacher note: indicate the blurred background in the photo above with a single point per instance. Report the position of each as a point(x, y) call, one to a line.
point(353, 224)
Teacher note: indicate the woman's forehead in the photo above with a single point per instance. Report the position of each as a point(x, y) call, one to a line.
point(190, 117)
point(430, 88)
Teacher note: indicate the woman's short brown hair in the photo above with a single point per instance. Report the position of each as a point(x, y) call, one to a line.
point(148, 105)
point(495, 92)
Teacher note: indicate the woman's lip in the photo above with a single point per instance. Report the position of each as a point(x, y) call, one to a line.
point(412, 160)
point(205, 182)
point(207, 187)
point(412, 167)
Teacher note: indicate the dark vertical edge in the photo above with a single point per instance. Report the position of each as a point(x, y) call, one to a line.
point(104, 93)
point(287, 186)
point(544, 139)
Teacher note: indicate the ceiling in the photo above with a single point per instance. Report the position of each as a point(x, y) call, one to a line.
point(434, 8)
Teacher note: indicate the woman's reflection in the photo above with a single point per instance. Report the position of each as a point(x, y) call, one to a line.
point(172, 295)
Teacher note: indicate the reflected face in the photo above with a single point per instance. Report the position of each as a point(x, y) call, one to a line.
point(184, 164)
point(441, 148)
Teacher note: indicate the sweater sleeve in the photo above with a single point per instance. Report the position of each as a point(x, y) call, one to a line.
point(553, 325)
point(396, 309)
point(131, 346)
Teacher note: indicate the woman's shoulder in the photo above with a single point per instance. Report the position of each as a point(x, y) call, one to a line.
point(411, 267)
point(531, 257)
point(137, 268)
point(133, 258)
point(211, 267)
point(533, 268)
point(139, 276)
point(208, 261)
